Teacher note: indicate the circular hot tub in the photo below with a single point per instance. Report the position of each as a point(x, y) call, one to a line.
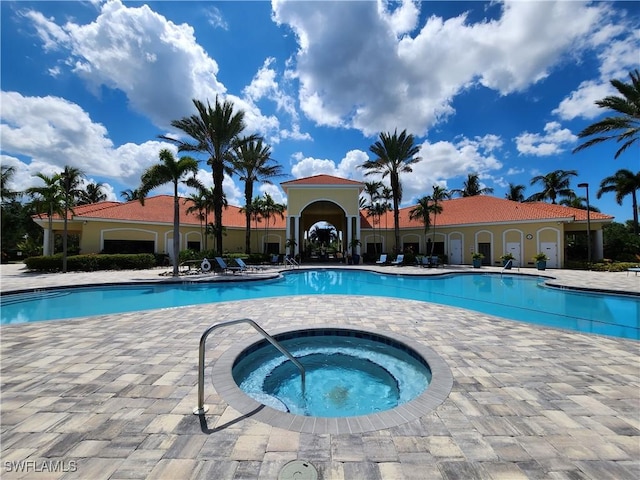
point(353, 381)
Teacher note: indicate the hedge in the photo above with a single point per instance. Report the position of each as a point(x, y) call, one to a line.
point(92, 263)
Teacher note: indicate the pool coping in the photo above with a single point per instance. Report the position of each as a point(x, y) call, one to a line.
point(437, 392)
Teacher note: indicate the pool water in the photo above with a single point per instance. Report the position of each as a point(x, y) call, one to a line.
point(345, 376)
point(514, 297)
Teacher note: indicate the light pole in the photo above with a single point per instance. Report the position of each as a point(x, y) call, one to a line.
point(586, 186)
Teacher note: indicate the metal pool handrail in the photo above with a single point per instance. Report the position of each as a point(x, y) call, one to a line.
point(201, 409)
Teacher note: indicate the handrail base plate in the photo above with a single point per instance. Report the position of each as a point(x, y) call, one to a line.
point(201, 411)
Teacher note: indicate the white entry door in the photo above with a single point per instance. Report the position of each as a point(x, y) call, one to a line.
point(455, 252)
point(514, 249)
point(550, 249)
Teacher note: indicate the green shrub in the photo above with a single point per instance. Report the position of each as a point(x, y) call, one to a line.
point(92, 263)
point(612, 266)
point(258, 259)
point(409, 258)
point(45, 263)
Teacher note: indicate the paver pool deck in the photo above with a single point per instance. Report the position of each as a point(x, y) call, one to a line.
point(111, 396)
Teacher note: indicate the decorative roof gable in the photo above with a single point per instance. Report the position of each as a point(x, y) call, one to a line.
point(321, 180)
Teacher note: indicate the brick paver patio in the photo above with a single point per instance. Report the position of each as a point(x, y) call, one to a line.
point(110, 397)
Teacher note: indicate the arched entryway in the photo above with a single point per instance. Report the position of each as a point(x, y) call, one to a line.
point(322, 198)
point(323, 231)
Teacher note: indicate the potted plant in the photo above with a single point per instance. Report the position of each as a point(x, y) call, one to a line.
point(541, 260)
point(355, 258)
point(291, 245)
point(477, 259)
point(506, 257)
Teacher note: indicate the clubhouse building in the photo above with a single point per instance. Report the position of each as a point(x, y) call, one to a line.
point(485, 224)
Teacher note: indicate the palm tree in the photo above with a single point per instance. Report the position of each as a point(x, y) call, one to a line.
point(626, 124)
point(50, 199)
point(215, 131)
point(394, 155)
point(170, 171)
point(70, 182)
point(252, 163)
point(7, 174)
point(386, 194)
point(439, 194)
point(198, 205)
point(472, 187)
point(270, 208)
point(372, 190)
point(92, 193)
point(256, 213)
point(422, 212)
point(575, 201)
point(130, 195)
point(515, 193)
point(207, 193)
point(374, 208)
point(624, 182)
point(554, 184)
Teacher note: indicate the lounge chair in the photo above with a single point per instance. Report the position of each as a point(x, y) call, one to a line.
point(226, 268)
point(382, 260)
point(398, 261)
point(246, 268)
point(635, 270)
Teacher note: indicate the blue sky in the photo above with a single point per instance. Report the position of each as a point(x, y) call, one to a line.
point(496, 88)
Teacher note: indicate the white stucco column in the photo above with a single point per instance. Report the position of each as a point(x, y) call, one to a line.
point(357, 217)
point(598, 246)
point(349, 235)
point(287, 234)
point(296, 235)
point(45, 243)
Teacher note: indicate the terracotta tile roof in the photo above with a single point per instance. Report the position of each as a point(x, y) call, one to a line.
point(83, 210)
point(159, 209)
point(480, 209)
point(485, 209)
point(321, 180)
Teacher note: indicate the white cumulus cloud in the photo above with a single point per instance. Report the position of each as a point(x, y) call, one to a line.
point(551, 142)
point(350, 78)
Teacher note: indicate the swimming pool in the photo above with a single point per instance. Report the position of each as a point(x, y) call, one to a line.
point(515, 297)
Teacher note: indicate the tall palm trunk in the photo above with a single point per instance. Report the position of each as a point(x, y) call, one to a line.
point(634, 204)
point(176, 231)
point(248, 194)
point(218, 177)
point(433, 242)
point(395, 187)
point(64, 238)
point(52, 243)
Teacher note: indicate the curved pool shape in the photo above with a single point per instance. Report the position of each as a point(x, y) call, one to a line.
point(347, 373)
point(384, 380)
point(515, 297)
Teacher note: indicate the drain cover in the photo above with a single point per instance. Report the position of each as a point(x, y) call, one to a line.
point(298, 470)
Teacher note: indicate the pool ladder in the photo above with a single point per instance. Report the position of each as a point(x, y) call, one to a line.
point(201, 409)
point(288, 261)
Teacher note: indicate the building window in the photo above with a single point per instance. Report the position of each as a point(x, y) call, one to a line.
point(438, 248)
point(195, 246)
point(374, 248)
point(272, 248)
